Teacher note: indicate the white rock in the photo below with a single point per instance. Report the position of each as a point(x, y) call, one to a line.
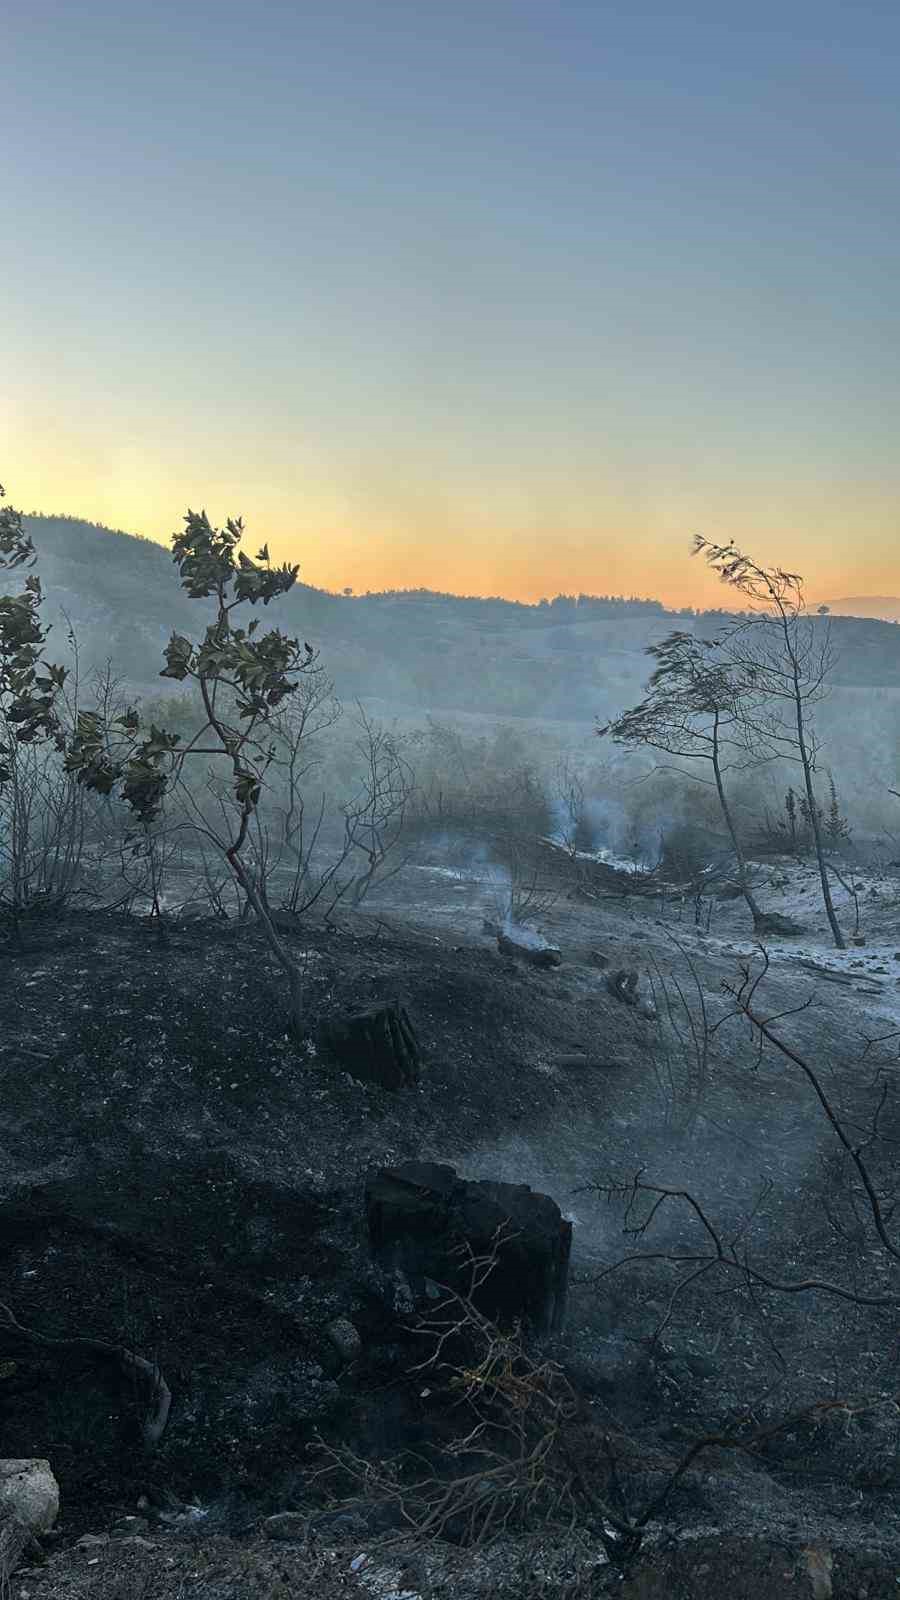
point(29, 1492)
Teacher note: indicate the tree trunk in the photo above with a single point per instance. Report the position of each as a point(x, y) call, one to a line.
point(743, 878)
point(839, 941)
point(291, 970)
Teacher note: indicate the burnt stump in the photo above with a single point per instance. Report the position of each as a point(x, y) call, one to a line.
point(537, 954)
point(428, 1222)
point(376, 1044)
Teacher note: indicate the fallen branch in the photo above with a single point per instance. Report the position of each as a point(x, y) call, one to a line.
point(134, 1366)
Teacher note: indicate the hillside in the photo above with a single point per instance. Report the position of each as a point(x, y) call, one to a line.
point(548, 1241)
point(571, 659)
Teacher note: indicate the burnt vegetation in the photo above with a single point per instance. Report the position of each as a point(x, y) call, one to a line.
point(269, 930)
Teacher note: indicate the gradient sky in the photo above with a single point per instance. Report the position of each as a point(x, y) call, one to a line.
point(496, 296)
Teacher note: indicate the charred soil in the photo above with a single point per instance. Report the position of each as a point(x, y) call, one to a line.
point(182, 1176)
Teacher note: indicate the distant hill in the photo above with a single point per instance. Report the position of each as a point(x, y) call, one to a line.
point(404, 652)
point(884, 607)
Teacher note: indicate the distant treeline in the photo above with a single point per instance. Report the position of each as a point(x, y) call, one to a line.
point(562, 607)
point(573, 657)
point(65, 536)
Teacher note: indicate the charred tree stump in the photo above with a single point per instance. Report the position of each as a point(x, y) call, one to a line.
point(538, 955)
point(772, 922)
point(429, 1223)
point(376, 1044)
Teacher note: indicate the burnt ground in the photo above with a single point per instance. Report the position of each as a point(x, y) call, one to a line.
point(182, 1176)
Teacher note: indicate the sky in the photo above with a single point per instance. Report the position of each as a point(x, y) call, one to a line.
point(492, 296)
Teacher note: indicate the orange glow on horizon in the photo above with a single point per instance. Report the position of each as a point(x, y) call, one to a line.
point(372, 538)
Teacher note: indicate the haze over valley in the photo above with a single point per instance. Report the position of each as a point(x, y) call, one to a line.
point(449, 802)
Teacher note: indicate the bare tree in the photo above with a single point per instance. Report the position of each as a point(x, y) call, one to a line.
point(374, 817)
point(860, 1140)
point(284, 835)
point(41, 822)
point(782, 658)
point(567, 799)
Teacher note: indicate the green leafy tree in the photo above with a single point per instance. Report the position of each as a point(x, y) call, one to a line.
point(693, 711)
point(241, 678)
point(28, 684)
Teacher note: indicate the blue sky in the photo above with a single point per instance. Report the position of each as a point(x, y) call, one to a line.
point(505, 297)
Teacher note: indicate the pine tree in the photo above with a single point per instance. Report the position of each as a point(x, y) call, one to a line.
point(837, 826)
point(790, 806)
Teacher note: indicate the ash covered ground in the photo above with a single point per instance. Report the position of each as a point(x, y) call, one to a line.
point(182, 1176)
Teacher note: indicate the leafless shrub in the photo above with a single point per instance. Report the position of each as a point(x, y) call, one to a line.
point(502, 1469)
point(521, 892)
point(284, 841)
point(488, 784)
point(375, 816)
point(866, 1194)
point(42, 812)
point(41, 834)
point(567, 797)
point(525, 1455)
point(685, 1036)
point(145, 857)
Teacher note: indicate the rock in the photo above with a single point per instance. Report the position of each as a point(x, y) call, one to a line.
point(624, 986)
point(774, 922)
point(344, 1524)
point(727, 891)
point(127, 1527)
point(91, 1541)
point(186, 1517)
point(858, 939)
point(29, 1492)
point(287, 1525)
point(344, 1338)
point(376, 1044)
point(423, 1219)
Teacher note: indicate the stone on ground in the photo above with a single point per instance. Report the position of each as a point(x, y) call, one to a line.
point(29, 1492)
